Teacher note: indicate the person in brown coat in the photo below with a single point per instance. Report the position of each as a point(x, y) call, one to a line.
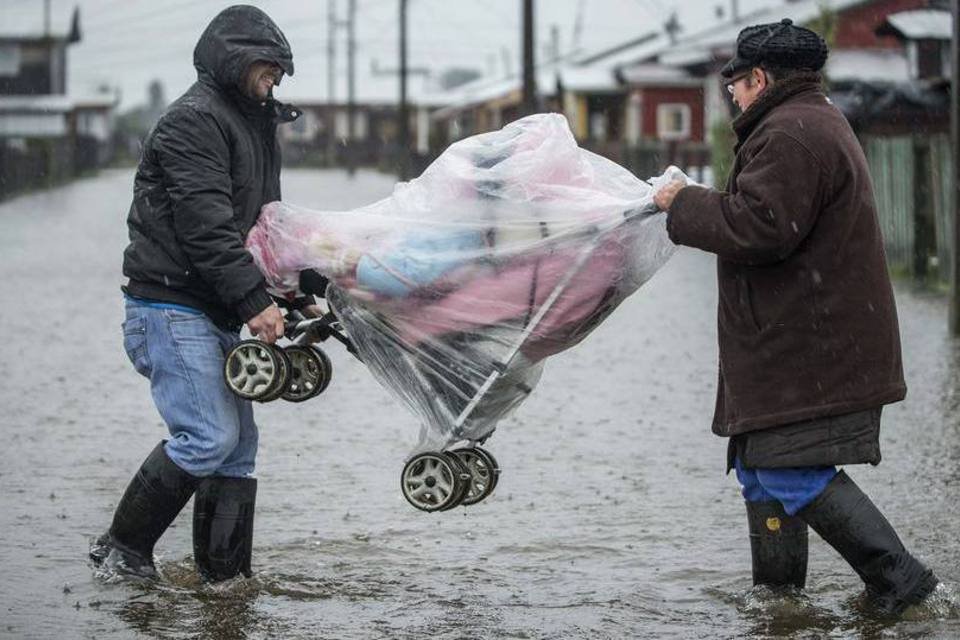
point(807, 325)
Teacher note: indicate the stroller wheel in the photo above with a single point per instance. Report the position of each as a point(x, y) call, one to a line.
point(464, 479)
point(251, 369)
point(483, 473)
point(309, 373)
point(493, 465)
point(432, 481)
point(326, 368)
point(282, 381)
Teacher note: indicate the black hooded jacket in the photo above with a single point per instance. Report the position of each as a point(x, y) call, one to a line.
point(207, 167)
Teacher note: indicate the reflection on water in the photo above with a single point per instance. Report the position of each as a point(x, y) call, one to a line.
point(180, 604)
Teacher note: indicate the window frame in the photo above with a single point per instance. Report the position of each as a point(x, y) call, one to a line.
point(664, 110)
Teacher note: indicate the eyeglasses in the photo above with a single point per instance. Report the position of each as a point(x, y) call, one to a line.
point(733, 81)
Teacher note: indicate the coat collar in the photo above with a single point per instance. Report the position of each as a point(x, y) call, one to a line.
point(777, 94)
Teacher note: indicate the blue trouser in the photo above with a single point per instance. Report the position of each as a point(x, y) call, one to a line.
point(793, 487)
point(182, 353)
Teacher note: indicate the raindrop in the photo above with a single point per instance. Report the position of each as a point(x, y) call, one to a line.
point(796, 229)
point(817, 278)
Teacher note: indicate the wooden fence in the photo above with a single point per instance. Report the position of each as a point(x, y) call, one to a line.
point(911, 179)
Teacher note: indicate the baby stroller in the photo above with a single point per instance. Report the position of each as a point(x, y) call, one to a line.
point(511, 247)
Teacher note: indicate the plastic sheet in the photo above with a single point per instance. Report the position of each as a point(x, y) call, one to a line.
point(512, 246)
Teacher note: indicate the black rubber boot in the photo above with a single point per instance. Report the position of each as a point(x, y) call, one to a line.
point(778, 545)
point(152, 500)
point(846, 518)
point(223, 527)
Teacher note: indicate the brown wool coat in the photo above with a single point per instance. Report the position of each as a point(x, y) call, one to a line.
point(807, 322)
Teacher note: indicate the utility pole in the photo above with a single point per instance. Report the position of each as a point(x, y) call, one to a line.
point(955, 138)
point(735, 11)
point(554, 42)
point(577, 28)
point(403, 126)
point(331, 80)
point(529, 80)
point(46, 18)
point(351, 86)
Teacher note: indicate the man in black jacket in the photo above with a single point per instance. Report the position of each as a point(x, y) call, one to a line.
point(207, 167)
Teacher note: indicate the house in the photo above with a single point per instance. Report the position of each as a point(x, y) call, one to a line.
point(904, 126)
point(925, 33)
point(611, 105)
point(46, 135)
point(33, 77)
point(487, 104)
point(858, 51)
point(93, 124)
point(322, 134)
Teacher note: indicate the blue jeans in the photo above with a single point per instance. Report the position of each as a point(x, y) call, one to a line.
point(793, 487)
point(182, 353)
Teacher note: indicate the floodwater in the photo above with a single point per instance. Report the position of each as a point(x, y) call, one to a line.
point(613, 517)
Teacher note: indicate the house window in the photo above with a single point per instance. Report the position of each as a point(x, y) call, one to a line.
point(598, 126)
point(9, 60)
point(361, 125)
point(673, 121)
point(341, 125)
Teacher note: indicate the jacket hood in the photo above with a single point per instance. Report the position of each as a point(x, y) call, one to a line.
point(237, 37)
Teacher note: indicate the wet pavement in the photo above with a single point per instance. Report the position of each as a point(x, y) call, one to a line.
point(613, 517)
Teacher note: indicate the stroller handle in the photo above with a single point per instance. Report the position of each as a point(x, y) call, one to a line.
point(318, 329)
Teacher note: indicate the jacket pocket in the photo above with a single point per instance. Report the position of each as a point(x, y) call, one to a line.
point(135, 344)
point(746, 305)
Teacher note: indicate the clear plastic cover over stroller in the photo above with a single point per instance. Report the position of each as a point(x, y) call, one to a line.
point(512, 246)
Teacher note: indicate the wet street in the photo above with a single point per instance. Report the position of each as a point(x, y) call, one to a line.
point(612, 518)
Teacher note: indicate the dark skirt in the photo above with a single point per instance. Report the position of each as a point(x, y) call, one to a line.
point(853, 438)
